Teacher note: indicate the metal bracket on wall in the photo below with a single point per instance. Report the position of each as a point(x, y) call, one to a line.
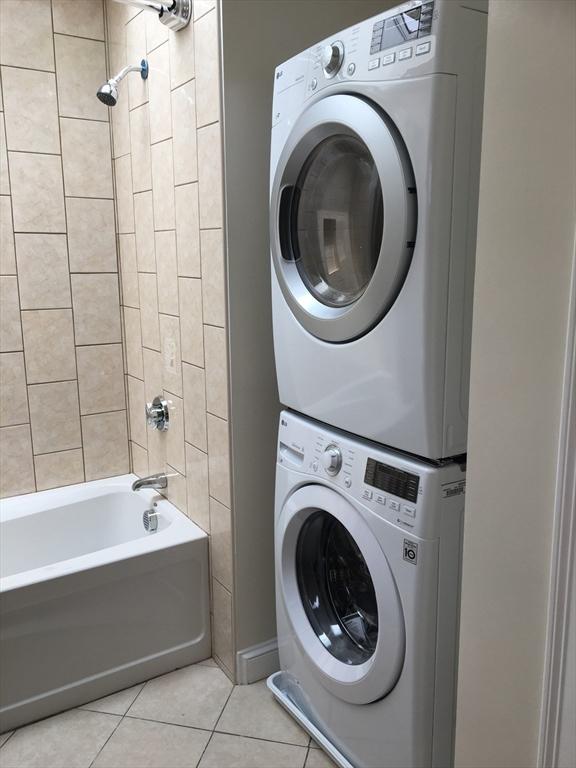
point(175, 15)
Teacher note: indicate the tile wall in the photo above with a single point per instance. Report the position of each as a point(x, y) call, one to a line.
point(167, 150)
point(62, 395)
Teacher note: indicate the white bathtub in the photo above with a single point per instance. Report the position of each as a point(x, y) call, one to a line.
point(91, 603)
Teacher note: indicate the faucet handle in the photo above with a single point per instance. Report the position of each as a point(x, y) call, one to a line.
point(157, 414)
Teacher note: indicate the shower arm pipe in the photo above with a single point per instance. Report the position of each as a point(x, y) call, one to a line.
point(175, 14)
point(123, 72)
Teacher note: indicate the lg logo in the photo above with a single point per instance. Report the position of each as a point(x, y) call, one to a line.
point(410, 551)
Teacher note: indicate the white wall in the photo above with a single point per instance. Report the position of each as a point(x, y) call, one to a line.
point(525, 251)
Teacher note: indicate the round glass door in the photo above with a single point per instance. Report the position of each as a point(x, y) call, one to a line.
point(336, 589)
point(342, 217)
point(338, 220)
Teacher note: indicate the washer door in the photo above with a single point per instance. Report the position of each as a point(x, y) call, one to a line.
point(343, 217)
point(340, 595)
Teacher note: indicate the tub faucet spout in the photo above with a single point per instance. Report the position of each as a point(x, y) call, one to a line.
point(152, 481)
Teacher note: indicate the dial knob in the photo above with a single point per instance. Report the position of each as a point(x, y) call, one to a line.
point(332, 58)
point(332, 459)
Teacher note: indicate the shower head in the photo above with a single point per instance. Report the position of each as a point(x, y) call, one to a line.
point(108, 92)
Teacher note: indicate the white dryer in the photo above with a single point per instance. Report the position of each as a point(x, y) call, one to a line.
point(367, 547)
point(374, 185)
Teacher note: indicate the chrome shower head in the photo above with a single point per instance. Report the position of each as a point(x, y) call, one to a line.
point(108, 92)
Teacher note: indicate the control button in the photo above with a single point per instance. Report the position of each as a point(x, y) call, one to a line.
point(374, 64)
point(410, 511)
point(313, 83)
point(422, 48)
point(394, 505)
point(315, 466)
point(390, 58)
point(332, 459)
point(381, 500)
point(351, 69)
point(405, 53)
point(348, 482)
point(367, 494)
point(332, 57)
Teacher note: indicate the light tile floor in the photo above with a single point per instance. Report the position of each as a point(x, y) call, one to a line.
point(188, 718)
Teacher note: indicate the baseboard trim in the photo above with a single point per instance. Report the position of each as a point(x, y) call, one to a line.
point(257, 662)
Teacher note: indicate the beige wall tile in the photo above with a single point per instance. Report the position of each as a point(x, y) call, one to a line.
point(140, 147)
point(7, 252)
point(219, 459)
point(43, 271)
point(222, 624)
point(120, 123)
point(86, 157)
point(207, 54)
point(221, 542)
point(176, 491)
point(4, 179)
point(10, 328)
point(191, 320)
point(124, 204)
point(144, 219)
point(54, 416)
point(14, 399)
point(96, 309)
point(31, 110)
point(133, 342)
point(182, 56)
point(175, 436)
point(49, 345)
point(159, 92)
point(171, 355)
point(157, 451)
point(197, 483)
point(26, 34)
point(100, 378)
point(54, 470)
point(135, 48)
point(136, 411)
point(210, 176)
point(156, 34)
point(203, 6)
point(139, 460)
point(187, 230)
point(149, 310)
point(184, 132)
point(91, 237)
point(80, 71)
point(167, 272)
point(152, 374)
point(163, 185)
point(37, 193)
point(195, 406)
point(129, 270)
point(105, 445)
point(85, 19)
point(215, 345)
point(16, 463)
point(213, 280)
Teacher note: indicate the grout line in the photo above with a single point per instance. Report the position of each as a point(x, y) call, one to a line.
point(84, 119)
point(79, 37)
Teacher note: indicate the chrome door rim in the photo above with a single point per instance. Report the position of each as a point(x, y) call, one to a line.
point(375, 678)
point(353, 116)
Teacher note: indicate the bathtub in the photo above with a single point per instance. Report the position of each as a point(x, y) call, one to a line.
point(90, 602)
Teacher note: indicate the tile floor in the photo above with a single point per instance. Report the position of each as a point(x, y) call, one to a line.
point(188, 718)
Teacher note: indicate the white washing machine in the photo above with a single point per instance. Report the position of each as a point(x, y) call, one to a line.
point(367, 546)
point(374, 186)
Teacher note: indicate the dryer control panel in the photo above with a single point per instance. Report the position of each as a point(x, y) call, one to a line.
point(404, 490)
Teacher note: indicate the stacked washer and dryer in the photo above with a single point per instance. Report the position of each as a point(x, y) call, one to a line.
point(374, 187)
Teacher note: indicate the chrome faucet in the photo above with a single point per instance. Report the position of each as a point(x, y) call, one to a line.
point(152, 481)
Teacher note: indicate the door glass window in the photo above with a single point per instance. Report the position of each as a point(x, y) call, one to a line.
point(336, 589)
point(338, 220)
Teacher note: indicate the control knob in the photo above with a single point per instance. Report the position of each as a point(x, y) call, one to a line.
point(332, 58)
point(332, 459)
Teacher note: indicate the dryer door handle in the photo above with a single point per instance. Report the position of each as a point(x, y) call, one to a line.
point(287, 223)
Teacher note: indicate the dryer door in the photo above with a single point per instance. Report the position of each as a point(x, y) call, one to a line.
point(340, 595)
point(343, 217)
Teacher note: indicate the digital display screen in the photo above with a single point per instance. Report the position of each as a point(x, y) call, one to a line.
point(401, 28)
point(392, 480)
